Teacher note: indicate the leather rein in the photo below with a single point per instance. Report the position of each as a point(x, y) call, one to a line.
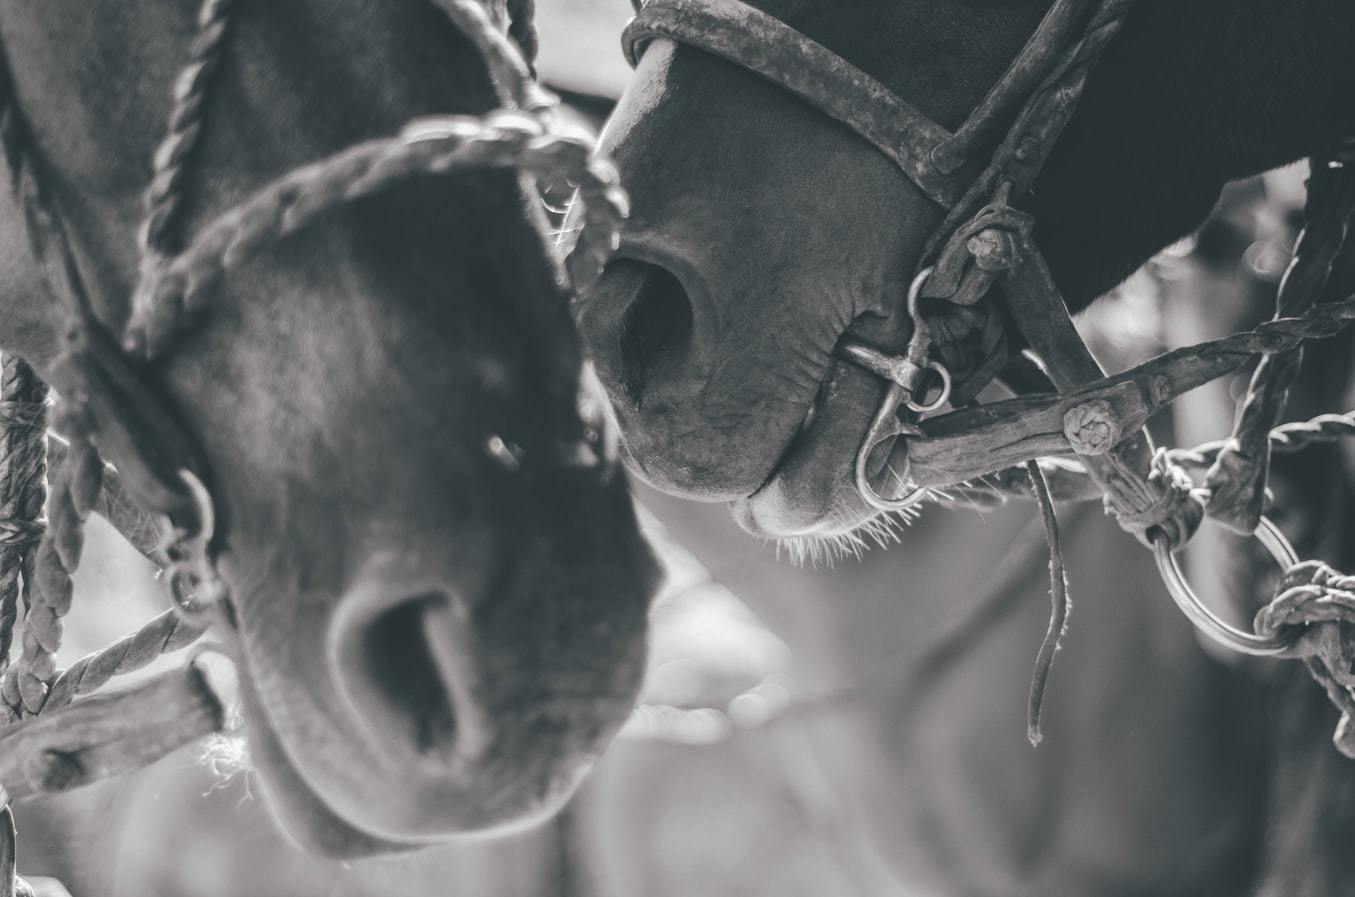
point(1072, 431)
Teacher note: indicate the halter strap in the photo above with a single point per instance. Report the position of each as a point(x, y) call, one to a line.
point(750, 38)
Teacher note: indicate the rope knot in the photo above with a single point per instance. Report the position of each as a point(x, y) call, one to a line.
point(1317, 604)
point(1165, 503)
point(19, 533)
point(1092, 428)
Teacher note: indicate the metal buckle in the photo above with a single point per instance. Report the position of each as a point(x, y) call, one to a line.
point(906, 375)
point(1204, 617)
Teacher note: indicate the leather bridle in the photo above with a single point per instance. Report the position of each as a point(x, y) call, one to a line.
point(1037, 94)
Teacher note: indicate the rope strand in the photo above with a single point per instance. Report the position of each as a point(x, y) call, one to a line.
point(165, 196)
point(74, 491)
point(22, 486)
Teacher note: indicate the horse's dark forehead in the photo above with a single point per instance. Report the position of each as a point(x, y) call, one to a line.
point(105, 70)
point(924, 50)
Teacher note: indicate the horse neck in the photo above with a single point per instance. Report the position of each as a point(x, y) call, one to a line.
point(1188, 97)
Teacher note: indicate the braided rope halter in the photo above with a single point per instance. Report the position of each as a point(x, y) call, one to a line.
point(106, 400)
point(1072, 432)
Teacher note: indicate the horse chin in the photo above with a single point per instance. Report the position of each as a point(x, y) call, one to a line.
point(347, 781)
point(811, 493)
point(316, 826)
point(296, 806)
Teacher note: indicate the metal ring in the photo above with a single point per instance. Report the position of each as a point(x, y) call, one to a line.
point(942, 397)
point(915, 291)
point(203, 507)
point(880, 503)
point(182, 585)
point(1203, 616)
point(896, 395)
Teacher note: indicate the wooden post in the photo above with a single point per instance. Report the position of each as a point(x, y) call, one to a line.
point(107, 734)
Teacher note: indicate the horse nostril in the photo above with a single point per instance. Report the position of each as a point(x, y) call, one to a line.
point(395, 658)
point(656, 332)
point(403, 665)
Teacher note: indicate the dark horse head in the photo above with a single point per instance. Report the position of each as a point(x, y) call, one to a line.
point(440, 617)
point(763, 231)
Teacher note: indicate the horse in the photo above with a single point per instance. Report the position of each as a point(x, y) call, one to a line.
point(437, 586)
point(766, 234)
point(715, 334)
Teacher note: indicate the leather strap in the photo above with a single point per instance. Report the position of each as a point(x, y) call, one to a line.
point(767, 46)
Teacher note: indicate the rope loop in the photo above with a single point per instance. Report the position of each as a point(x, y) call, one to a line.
point(1173, 513)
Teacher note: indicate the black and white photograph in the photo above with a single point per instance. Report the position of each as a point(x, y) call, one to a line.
point(677, 448)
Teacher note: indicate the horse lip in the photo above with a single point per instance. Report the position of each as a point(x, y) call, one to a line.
point(803, 431)
point(811, 491)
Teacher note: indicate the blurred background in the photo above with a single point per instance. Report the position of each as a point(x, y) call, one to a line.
point(854, 726)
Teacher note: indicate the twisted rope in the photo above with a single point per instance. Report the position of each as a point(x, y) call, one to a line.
point(44, 573)
point(1319, 603)
point(1288, 438)
point(165, 634)
point(508, 68)
point(436, 145)
point(1236, 480)
point(23, 419)
point(165, 195)
point(522, 28)
point(74, 492)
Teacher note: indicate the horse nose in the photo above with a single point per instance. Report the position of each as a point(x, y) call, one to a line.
point(653, 337)
point(643, 327)
point(402, 657)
